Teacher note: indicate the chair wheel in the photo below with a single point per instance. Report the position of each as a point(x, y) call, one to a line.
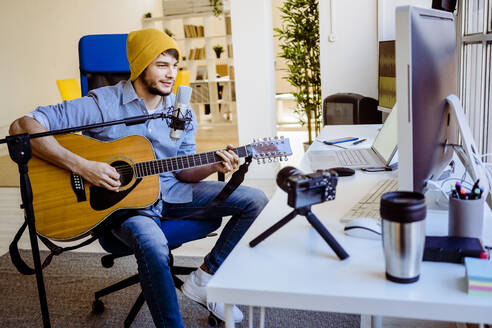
point(213, 321)
point(97, 307)
point(107, 261)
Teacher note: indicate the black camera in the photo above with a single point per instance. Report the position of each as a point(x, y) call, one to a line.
point(304, 190)
point(307, 189)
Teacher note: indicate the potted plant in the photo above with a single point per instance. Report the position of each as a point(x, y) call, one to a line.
point(299, 45)
point(218, 50)
point(168, 32)
point(217, 7)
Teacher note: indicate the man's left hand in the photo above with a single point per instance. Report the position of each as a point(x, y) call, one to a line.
point(230, 160)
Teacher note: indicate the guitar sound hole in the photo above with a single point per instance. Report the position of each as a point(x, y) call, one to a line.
point(125, 170)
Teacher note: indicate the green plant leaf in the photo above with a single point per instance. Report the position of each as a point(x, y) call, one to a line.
point(299, 46)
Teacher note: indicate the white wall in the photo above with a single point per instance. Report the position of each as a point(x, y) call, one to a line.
point(39, 44)
point(386, 15)
point(350, 63)
point(252, 40)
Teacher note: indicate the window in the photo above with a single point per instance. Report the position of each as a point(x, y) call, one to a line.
point(475, 48)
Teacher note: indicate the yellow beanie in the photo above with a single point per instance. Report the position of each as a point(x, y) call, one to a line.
point(143, 46)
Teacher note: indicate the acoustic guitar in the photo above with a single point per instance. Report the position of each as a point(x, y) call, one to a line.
point(68, 208)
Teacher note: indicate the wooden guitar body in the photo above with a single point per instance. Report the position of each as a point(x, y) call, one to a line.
point(68, 208)
point(60, 210)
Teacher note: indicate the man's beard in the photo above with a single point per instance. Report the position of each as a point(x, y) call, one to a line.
point(158, 92)
point(155, 91)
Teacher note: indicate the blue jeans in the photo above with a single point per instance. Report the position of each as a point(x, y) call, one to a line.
point(145, 235)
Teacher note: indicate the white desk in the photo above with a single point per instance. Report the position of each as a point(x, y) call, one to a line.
point(295, 268)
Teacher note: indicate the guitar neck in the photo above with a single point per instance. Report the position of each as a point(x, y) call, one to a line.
point(143, 169)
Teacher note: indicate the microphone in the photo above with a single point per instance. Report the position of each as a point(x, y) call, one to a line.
point(181, 105)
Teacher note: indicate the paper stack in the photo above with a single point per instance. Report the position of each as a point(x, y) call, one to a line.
point(479, 276)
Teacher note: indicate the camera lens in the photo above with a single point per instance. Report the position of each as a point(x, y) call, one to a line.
point(284, 174)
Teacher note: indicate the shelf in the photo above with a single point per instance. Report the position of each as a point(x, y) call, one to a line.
point(191, 8)
point(208, 60)
point(223, 79)
point(220, 101)
point(218, 80)
point(206, 38)
point(180, 16)
point(213, 98)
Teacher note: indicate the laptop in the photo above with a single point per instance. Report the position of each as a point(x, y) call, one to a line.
point(380, 154)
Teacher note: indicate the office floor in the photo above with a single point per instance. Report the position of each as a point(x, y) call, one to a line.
point(11, 217)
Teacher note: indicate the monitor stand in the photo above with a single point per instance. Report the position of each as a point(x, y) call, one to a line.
point(469, 156)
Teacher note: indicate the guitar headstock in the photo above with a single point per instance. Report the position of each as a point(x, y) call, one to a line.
point(273, 149)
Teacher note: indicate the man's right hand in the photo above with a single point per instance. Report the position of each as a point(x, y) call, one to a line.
point(97, 173)
point(100, 174)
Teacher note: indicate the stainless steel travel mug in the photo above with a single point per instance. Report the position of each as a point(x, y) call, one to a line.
point(403, 224)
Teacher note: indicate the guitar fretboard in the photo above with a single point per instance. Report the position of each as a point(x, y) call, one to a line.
point(158, 166)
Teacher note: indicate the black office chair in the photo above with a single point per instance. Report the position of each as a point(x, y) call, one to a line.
point(350, 108)
point(177, 233)
point(103, 61)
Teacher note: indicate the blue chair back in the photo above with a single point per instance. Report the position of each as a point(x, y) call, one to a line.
point(102, 60)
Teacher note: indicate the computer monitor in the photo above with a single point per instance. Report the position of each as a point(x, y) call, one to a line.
point(426, 75)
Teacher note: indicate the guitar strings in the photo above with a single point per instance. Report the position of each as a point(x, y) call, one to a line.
point(161, 164)
point(126, 169)
point(130, 168)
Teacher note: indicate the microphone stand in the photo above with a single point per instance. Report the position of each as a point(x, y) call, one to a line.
point(21, 152)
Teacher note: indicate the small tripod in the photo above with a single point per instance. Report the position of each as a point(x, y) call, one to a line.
point(314, 221)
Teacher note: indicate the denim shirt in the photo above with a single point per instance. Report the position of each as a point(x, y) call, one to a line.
point(118, 102)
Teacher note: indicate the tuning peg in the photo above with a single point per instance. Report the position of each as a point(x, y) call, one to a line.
point(280, 158)
point(258, 160)
point(265, 139)
point(264, 161)
point(286, 158)
point(269, 159)
point(254, 140)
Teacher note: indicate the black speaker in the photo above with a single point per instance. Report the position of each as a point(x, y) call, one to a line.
point(350, 108)
point(446, 5)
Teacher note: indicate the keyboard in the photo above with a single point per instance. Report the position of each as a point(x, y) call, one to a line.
point(351, 157)
point(368, 206)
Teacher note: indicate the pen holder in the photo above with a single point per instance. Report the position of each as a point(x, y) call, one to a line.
point(466, 217)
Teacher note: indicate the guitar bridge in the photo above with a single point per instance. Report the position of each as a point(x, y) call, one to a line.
point(78, 187)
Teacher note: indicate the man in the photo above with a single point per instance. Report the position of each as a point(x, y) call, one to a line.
point(153, 58)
